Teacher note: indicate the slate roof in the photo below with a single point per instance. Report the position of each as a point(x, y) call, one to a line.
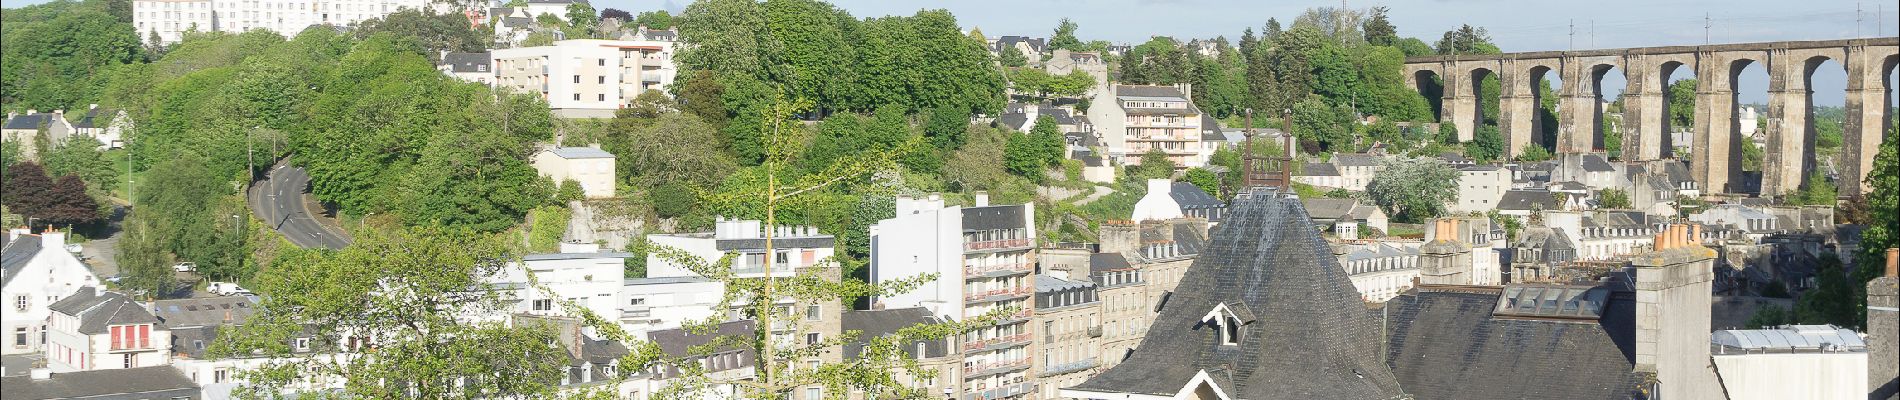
point(467, 62)
point(1358, 160)
point(146, 382)
point(96, 312)
point(1035, 44)
point(28, 121)
point(1100, 263)
point(17, 255)
point(1524, 200)
point(1312, 338)
point(1596, 163)
point(96, 117)
point(993, 217)
point(204, 311)
point(878, 323)
point(1088, 158)
point(517, 22)
point(1318, 169)
point(1150, 91)
point(1449, 345)
point(1328, 209)
point(677, 342)
point(1191, 197)
point(576, 153)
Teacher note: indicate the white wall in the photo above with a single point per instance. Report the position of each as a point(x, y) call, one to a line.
point(1840, 376)
point(924, 237)
point(590, 280)
point(51, 275)
point(666, 303)
point(1479, 191)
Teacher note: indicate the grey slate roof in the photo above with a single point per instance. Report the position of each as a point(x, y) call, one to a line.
point(993, 217)
point(1596, 163)
point(1524, 200)
point(1191, 197)
point(17, 255)
point(158, 382)
point(28, 121)
point(1150, 91)
point(96, 117)
point(1448, 345)
point(97, 312)
point(575, 153)
point(1328, 209)
point(467, 62)
point(1103, 262)
point(1318, 169)
point(1358, 160)
point(1312, 338)
point(878, 323)
point(204, 311)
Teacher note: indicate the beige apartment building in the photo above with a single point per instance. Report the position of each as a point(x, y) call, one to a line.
point(1069, 316)
point(1133, 119)
point(586, 78)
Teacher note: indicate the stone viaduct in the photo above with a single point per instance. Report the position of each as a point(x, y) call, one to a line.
point(1716, 151)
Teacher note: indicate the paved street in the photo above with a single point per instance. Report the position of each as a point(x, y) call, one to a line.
point(279, 201)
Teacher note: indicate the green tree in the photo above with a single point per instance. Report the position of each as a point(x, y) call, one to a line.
point(581, 15)
point(727, 37)
point(947, 125)
point(974, 166)
point(817, 59)
point(1064, 37)
point(1532, 152)
point(410, 289)
point(1816, 192)
point(144, 263)
point(1768, 316)
point(1752, 156)
point(1613, 199)
point(1447, 134)
point(672, 199)
point(430, 32)
point(1487, 145)
point(702, 95)
point(656, 19)
point(1379, 29)
point(1414, 190)
point(54, 51)
point(1682, 104)
point(80, 156)
point(1466, 40)
point(1155, 164)
point(1011, 57)
point(674, 148)
point(1204, 179)
point(1832, 299)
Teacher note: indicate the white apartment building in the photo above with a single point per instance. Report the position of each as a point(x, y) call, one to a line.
point(586, 78)
point(1381, 269)
point(1480, 187)
point(984, 258)
point(170, 19)
point(580, 273)
point(659, 303)
point(95, 329)
point(1133, 119)
point(795, 247)
point(38, 272)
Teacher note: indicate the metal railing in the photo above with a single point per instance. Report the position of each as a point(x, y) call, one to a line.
point(977, 345)
point(998, 294)
point(996, 244)
point(1011, 269)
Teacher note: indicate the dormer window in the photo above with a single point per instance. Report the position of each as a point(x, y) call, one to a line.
point(1229, 320)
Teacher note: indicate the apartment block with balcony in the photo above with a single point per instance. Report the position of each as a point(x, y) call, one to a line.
point(170, 19)
point(95, 329)
point(1133, 119)
point(586, 78)
point(984, 258)
point(1068, 314)
point(581, 274)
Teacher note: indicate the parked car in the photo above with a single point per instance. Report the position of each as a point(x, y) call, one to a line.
point(227, 289)
point(185, 267)
point(74, 248)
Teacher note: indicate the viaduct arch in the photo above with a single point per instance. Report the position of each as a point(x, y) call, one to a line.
point(1715, 155)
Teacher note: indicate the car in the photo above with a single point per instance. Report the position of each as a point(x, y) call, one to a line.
point(185, 267)
point(227, 289)
point(74, 248)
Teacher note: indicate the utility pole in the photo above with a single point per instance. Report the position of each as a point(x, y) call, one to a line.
point(1593, 34)
point(1857, 20)
point(1573, 35)
point(1705, 29)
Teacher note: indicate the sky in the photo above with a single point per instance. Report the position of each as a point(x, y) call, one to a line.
point(1515, 25)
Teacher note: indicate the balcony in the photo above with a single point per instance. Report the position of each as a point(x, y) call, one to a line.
point(979, 370)
point(1001, 342)
point(995, 271)
point(1002, 392)
point(999, 295)
point(996, 245)
point(636, 312)
point(1069, 367)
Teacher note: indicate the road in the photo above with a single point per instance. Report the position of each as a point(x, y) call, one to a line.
point(278, 200)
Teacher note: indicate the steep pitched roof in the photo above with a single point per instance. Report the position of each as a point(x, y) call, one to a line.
point(28, 121)
point(1449, 345)
point(993, 217)
point(1191, 197)
point(1525, 200)
point(878, 323)
point(467, 62)
point(1596, 163)
point(1358, 160)
point(16, 256)
point(96, 117)
point(1312, 338)
point(1325, 209)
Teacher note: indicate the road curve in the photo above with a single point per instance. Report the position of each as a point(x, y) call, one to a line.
point(278, 200)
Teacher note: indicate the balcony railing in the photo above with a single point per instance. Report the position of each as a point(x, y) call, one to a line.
point(999, 294)
point(998, 270)
point(1007, 391)
point(992, 368)
point(992, 245)
point(1070, 367)
point(995, 342)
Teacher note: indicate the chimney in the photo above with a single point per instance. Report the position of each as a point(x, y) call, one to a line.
point(53, 239)
point(1445, 260)
point(15, 233)
point(1893, 262)
point(982, 198)
point(1673, 285)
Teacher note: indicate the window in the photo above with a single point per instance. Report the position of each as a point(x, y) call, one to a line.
point(601, 62)
point(543, 305)
point(130, 359)
point(602, 97)
point(812, 338)
point(814, 393)
point(220, 375)
point(812, 312)
point(1232, 335)
point(639, 302)
point(602, 79)
point(19, 337)
point(577, 97)
point(21, 302)
point(302, 344)
point(577, 79)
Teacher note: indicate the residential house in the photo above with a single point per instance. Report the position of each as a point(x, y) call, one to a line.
point(1030, 48)
point(1755, 222)
point(30, 129)
point(95, 329)
point(796, 247)
point(1322, 175)
point(1133, 119)
point(37, 271)
point(1357, 170)
point(1022, 117)
point(581, 274)
point(727, 362)
point(1094, 167)
point(939, 356)
point(1196, 203)
point(586, 78)
point(156, 382)
point(194, 324)
point(592, 167)
point(107, 125)
point(1481, 188)
point(1328, 210)
point(1069, 315)
point(1064, 62)
point(472, 67)
point(1593, 170)
point(557, 8)
point(984, 257)
point(1381, 269)
point(1522, 203)
point(1537, 253)
point(1607, 235)
point(658, 303)
point(1531, 175)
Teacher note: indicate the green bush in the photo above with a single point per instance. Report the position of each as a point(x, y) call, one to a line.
point(570, 190)
point(673, 200)
point(550, 223)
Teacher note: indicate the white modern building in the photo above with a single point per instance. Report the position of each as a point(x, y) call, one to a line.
point(795, 247)
point(581, 274)
point(592, 167)
point(659, 303)
point(1791, 362)
point(586, 78)
point(95, 329)
point(1481, 187)
point(38, 272)
point(170, 19)
point(984, 259)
